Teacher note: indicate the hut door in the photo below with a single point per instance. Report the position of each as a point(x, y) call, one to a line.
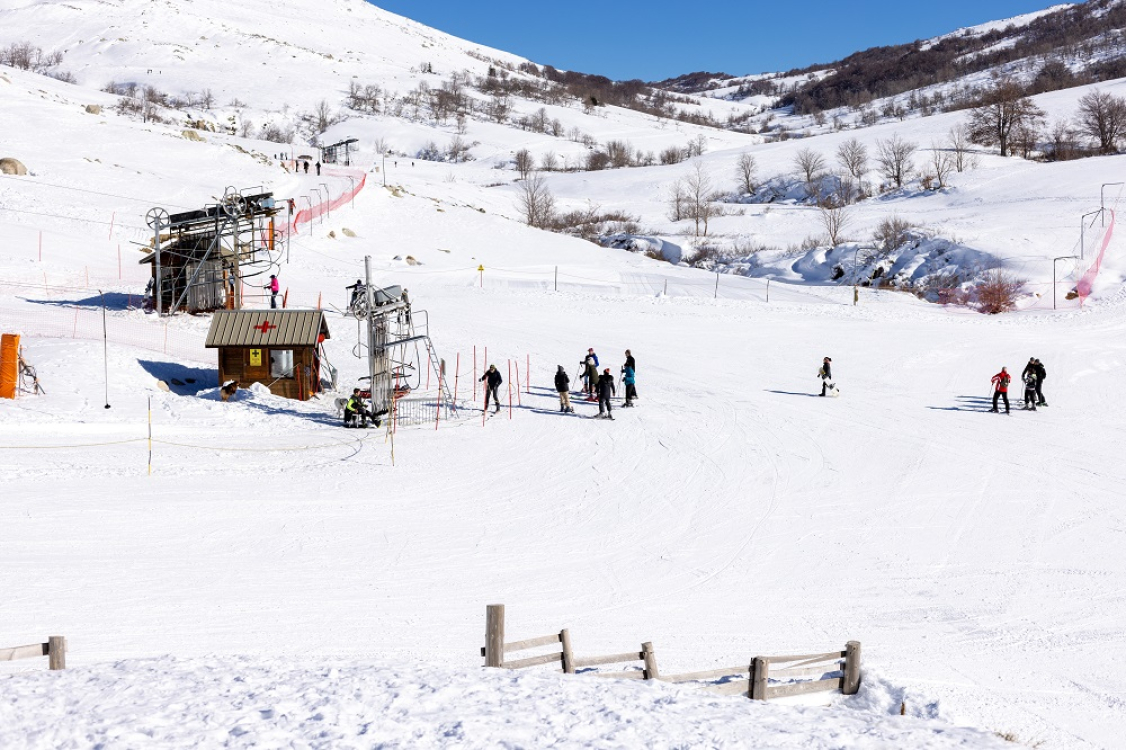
point(257, 365)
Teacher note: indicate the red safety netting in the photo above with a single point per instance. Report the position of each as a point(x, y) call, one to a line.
point(356, 180)
point(1083, 288)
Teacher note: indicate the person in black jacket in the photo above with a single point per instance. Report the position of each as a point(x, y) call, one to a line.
point(631, 388)
point(563, 386)
point(492, 380)
point(606, 389)
point(1041, 373)
point(826, 373)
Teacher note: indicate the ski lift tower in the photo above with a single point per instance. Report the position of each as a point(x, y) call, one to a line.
point(391, 326)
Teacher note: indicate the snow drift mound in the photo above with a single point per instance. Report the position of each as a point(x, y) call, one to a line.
point(241, 702)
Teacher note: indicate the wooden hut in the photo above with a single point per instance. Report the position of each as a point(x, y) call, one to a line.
point(279, 348)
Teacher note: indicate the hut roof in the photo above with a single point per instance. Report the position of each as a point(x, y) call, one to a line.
point(266, 328)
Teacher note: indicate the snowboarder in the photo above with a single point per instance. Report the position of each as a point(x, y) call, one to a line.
point(628, 379)
point(492, 380)
point(606, 389)
point(1029, 389)
point(826, 374)
point(274, 287)
point(563, 386)
point(631, 388)
point(1000, 383)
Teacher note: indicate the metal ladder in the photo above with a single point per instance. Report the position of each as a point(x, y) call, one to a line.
point(444, 387)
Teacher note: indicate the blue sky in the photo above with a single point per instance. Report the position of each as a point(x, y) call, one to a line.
point(656, 39)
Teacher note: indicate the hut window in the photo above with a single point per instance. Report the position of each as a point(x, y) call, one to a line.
point(281, 363)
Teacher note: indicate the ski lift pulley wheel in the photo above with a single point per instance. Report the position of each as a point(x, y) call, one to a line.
point(233, 203)
point(156, 218)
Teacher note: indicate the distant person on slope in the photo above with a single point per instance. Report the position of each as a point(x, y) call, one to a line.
point(1029, 389)
point(492, 380)
point(563, 387)
point(306, 166)
point(1041, 373)
point(826, 374)
point(1000, 383)
point(590, 376)
point(629, 380)
point(631, 390)
point(274, 288)
point(606, 389)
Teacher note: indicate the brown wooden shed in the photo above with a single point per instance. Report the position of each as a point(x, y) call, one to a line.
point(279, 348)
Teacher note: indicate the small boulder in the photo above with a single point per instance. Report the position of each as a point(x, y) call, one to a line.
point(12, 166)
point(347, 232)
point(94, 109)
point(191, 135)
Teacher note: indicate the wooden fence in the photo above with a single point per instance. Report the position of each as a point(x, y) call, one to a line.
point(54, 649)
point(833, 670)
point(495, 650)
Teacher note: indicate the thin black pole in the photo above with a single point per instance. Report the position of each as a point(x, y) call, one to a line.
point(105, 344)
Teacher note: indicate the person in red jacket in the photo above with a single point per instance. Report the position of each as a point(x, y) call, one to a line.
point(1001, 389)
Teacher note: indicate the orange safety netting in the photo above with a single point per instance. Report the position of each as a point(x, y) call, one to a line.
point(9, 365)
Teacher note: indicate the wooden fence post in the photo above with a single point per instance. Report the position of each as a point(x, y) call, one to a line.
point(568, 655)
point(56, 652)
point(494, 635)
point(760, 673)
point(650, 657)
point(851, 685)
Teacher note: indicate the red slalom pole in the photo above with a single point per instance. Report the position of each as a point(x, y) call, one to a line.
point(438, 411)
point(474, 372)
point(509, 382)
point(528, 373)
point(457, 371)
point(485, 409)
point(518, 402)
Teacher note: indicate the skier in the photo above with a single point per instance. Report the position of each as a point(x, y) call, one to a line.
point(563, 386)
point(318, 169)
point(1000, 383)
point(631, 389)
point(274, 287)
point(306, 166)
point(1041, 373)
point(628, 379)
point(1029, 389)
point(606, 389)
point(492, 380)
point(591, 375)
point(826, 374)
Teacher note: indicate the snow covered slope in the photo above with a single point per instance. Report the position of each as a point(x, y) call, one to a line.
point(732, 513)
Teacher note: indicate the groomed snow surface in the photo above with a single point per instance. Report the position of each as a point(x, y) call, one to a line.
point(278, 581)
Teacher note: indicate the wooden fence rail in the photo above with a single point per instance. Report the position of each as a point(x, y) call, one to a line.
point(54, 649)
point(836, 670)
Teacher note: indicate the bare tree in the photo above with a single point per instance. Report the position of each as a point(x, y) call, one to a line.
point(524, 163)
point(810, 165)
point(853, 156)
point(536, 202)
point(322, 116)
point(745, 172)
point(835, 217)
point(998, 292)
point(678, 201)
point(1103, 117)
point(1062, 144)
point(942, 162)
point(699, 191)
point(999, 112)
point(894, 157)
point(206, 99)
point(959, 142)
point(549, 162)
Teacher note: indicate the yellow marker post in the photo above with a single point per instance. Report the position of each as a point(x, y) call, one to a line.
point(481, 271)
